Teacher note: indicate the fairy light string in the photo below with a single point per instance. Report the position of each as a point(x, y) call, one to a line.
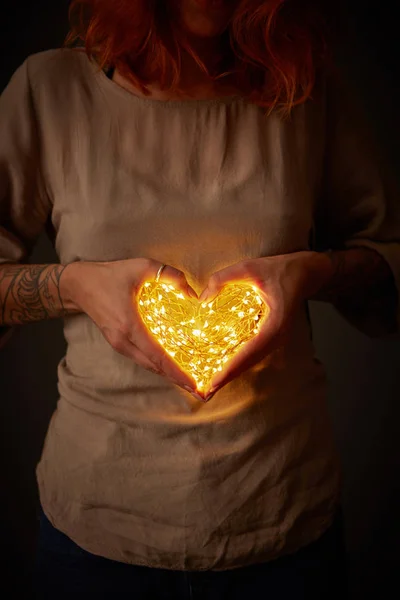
point(202, 337)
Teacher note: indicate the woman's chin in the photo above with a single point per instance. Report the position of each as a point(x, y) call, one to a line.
point(203, 19)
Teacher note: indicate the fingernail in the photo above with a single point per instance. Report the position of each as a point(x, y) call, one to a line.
point(192, 294)
point(214, 389)
point(194, 394)
point(211, 392)
point(198, 397)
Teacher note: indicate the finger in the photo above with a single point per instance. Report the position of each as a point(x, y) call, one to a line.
point(238, 368)
point(177, 278)
point(251, 353)
point(126, 348)
point(232, 274)
point(129, 350)
point(150, 347)
point(157, 355)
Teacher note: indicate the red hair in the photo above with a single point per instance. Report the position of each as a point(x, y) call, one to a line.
point(272, 48)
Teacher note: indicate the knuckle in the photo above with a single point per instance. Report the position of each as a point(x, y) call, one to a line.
point(124, 329)
point(115, 339)
point(249, 268)
point(141, 360)
point(245, 264)
point(178, 276)
point(277, 325)
point(145, 265)
point(148, 263)
point(163, 363)
point(110, 335)
point(153, 370)
point(157, 361)
point(118, 345)
point(214, 280)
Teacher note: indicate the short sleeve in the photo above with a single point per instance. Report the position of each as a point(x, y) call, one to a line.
point(359, 205)
point(24, 207)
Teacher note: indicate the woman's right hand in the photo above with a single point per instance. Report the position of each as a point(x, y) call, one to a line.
point(106, 291)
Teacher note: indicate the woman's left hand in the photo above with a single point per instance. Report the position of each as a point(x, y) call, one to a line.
point(285, 282)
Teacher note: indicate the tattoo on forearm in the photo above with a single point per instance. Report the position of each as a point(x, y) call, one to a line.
point(30, 293)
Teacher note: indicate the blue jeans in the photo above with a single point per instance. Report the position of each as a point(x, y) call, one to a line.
point(66, 571)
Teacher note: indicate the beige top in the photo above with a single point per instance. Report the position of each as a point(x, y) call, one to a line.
point(134, 468)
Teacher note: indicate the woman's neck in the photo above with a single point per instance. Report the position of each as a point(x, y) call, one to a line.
point(199, 90)
point(193, 80)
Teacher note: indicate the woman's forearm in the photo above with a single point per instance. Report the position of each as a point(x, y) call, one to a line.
point(357, 279)
point(32, 293)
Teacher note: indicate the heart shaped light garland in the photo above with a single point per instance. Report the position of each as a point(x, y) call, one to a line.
point(202, 337)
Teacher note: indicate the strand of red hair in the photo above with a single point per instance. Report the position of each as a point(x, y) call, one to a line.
point(273, 49)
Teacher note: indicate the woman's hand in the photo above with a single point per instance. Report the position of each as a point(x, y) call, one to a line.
point(107, 291)
point(284, 282)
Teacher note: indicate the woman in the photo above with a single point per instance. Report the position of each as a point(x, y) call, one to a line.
point(210, 147)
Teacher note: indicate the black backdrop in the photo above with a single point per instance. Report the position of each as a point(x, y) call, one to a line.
point(364, 374)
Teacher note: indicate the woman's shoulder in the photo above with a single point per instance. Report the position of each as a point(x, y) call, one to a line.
point(57, 65)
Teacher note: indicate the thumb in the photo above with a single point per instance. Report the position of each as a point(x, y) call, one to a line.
point(219, 279)
point(178, 279)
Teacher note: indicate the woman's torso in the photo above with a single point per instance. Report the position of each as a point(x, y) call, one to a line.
point(134, 468)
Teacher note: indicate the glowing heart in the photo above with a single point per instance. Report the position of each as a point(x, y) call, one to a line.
point(201, 337)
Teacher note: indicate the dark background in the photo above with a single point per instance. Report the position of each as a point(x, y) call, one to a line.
point(364, 374)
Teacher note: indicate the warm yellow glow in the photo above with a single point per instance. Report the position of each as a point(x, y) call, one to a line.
point(202, 337)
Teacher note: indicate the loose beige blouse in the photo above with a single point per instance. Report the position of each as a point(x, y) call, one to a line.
point(134, 468)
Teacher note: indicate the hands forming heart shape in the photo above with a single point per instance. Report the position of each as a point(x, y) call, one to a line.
point(202, 337)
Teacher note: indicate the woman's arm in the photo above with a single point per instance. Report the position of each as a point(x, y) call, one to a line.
point(104, 291)
point(353, 278)
point(32, 293)
point(356, 226)
point(357, 281)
